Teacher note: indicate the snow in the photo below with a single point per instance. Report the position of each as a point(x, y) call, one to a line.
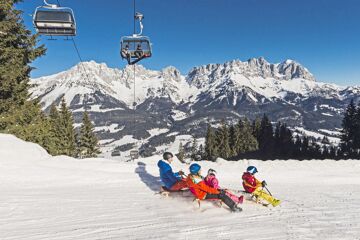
point(172, 134)
point(112, 128)
point(174, 146)
point(44, 197)
point(296, 112)
point(334, 140)
point(334, 133)
point(106, 141)
point(157, 131)
point(178, 115)
point(326, 106)
point(97, 108)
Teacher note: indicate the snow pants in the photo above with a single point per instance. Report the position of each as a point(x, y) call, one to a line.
point(181, 184)
point(261, 194)
point(223, 197)
point(236, 199)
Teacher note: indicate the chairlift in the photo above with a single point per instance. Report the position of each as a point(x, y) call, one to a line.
point(52, 20)
point(134, 154)
point(136, 47)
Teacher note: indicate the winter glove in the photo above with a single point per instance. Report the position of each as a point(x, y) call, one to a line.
point(263, 183)
point(222, 191)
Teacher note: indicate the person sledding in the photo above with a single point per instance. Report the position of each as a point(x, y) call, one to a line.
point(256, 188)
point(172, 181)
point(212, 181)
point(201, 191)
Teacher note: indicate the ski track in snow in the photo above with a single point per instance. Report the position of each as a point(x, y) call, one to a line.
point(44, 197)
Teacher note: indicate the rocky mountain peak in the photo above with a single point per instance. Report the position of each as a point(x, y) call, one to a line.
point(171, 73)
point(291, 69)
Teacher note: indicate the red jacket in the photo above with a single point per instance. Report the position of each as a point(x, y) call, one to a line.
point(200, 189)
point(250, 183)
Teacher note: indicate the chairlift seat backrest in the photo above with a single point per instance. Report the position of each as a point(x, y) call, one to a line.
point(54, 16)
point(55, 22)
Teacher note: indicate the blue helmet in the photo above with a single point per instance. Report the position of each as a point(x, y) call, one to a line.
point(194, 168)
point(252, 170)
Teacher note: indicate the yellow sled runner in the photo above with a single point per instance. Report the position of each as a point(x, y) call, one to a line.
point(260, 194)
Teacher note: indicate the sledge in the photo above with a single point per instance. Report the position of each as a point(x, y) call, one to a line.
point(165, 192)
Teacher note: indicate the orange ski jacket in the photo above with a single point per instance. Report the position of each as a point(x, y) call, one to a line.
point(199, 189)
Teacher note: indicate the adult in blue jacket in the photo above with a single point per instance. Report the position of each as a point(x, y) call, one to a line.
point(172, 181)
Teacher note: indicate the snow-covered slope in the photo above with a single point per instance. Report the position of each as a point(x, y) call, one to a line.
point(44, 197)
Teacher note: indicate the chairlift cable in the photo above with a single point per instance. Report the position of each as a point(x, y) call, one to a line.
point(134, 103)
point(78, 54)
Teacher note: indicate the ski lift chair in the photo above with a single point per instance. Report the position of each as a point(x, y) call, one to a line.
point(135, 47)
point(134, 154)
point(54, 21)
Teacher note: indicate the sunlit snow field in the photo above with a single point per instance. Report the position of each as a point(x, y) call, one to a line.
point(44, 197)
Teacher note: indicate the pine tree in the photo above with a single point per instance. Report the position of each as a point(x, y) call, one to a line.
point(305, 148)
point(297, 148)
point(88, 142)
point(325, 140)
point(55, 130)
point(333, 152)
point(211, 148)
point(222, 137)
point(348, 132)
point(194, 148)
point(246, 140)
point(67, 133)
point(286, 142)
point(277, 141)
point(256, 127)
point(232, 140)
point(357, 131)
point(202, 151)
point(237, 141)
point(18, 114)
point(181, 154)
point(266, 138)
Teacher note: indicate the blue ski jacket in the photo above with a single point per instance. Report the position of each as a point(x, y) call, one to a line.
point(167, 176)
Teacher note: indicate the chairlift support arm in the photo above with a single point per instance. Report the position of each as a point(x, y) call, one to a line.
point(138, 16)
point(50, 5)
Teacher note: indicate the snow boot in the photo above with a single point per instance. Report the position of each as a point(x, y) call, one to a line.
point(241, 199)
point(235, 208)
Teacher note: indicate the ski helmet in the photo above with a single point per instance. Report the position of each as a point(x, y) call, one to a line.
point(194, 168)
point(252, 170)
point(211, 172)
point(197, 158)
point(167, 155)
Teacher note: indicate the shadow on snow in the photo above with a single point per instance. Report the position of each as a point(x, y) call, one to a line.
point(152, 182)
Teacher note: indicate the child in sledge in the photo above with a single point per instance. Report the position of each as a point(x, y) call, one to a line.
point(255, 187)
point(202, 191)
point(212, 181)
point(172, 181)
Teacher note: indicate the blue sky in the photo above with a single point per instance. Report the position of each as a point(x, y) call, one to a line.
point(323, 35)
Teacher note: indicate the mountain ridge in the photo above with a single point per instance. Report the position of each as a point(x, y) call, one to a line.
point(184, 104)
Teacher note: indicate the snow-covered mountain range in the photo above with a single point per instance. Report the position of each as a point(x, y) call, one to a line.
point(179, 104)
